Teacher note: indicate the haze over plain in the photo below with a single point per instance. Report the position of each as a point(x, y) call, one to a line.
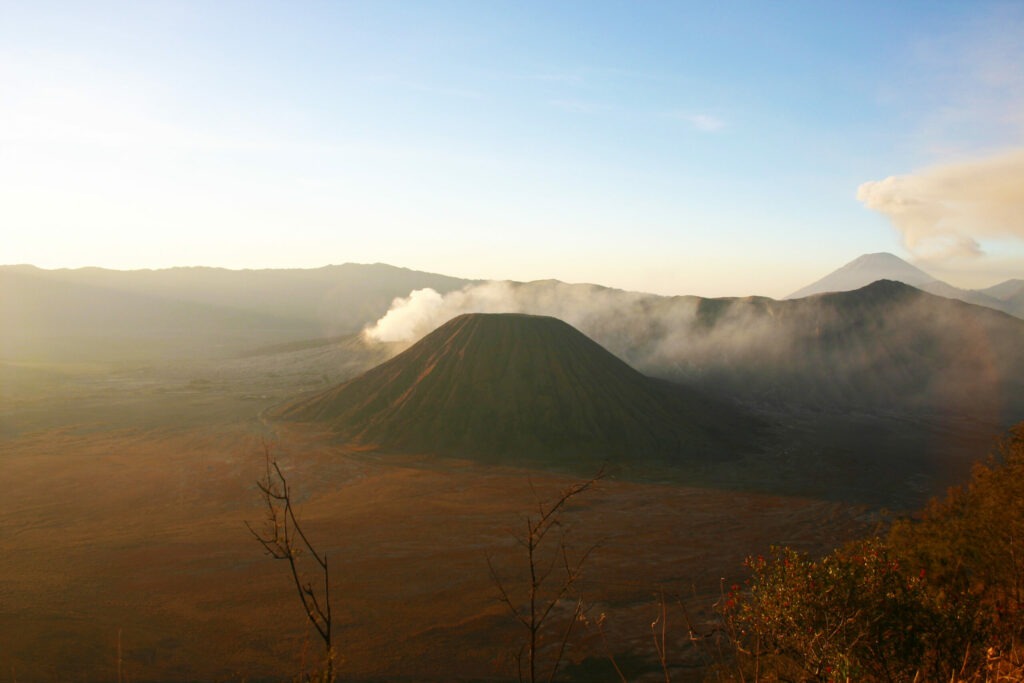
point(670, 148)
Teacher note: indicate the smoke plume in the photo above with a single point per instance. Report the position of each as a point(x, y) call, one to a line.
point(944, 211)
point(411, 317)
point(853, 349)
point(598, 311)
point(656, 334)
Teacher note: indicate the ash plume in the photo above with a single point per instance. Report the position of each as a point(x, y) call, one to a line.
point(944, 211)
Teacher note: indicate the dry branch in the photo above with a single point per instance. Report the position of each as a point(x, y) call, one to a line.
point(540, 600)
point(283, 538)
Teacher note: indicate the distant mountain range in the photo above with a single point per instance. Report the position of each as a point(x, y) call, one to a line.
point(68, 312)
point(886, 346)
point(1007, 296)
point(875, 385)
point(223, 311)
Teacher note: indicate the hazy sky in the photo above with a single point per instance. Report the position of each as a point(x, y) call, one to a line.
point(675, 147)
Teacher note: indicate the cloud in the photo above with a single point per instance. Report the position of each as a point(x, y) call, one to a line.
point(566, 77)
point(705, 123)
point(945, 211)
point(578, 106)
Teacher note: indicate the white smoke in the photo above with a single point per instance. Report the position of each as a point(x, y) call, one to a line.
point(412, 317)
point(659, 335)
point(405, 315)
point(583, 306)
point(944, 211)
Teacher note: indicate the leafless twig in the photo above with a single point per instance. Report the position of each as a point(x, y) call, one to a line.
point(282, 538)
point(540, 601)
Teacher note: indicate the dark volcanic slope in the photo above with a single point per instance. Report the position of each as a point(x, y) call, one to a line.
point(504, 384)
point(885, 347)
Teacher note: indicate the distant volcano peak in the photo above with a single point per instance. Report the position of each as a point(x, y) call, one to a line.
point(864, 270)
point(878, 257)
point(520, 385)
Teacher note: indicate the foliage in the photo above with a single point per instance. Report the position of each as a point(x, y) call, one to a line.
point(853, 615)
point(939, 598)
point(971, 544)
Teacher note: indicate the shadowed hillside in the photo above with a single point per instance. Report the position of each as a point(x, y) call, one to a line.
point(504, 384)
point(885, 347)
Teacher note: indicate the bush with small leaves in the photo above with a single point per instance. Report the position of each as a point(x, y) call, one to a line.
point(856, 614)
point(971, 546)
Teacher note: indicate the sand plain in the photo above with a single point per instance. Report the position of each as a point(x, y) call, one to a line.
point(123, 545)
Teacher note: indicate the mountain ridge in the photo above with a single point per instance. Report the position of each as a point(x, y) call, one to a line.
point(196, 308)
point(864, 270)
point(887, 347)
point(869, 268)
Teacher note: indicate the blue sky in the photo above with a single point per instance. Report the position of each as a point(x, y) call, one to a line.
point(674, 147)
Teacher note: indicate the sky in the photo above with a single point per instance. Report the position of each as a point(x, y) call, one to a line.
point(717, 149)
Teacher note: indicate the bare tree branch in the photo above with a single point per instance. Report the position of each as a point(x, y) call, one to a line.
point(283, 538)
point(541, 599)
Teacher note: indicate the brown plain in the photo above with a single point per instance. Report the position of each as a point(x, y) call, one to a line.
point(122, 535)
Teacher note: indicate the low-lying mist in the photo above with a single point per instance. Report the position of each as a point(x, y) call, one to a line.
point(887, 346)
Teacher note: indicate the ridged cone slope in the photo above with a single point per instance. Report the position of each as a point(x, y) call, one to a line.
point(504, 384)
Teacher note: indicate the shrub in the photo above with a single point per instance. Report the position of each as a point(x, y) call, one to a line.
point(853, 615)
point(971, 545)
point(940, 598)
